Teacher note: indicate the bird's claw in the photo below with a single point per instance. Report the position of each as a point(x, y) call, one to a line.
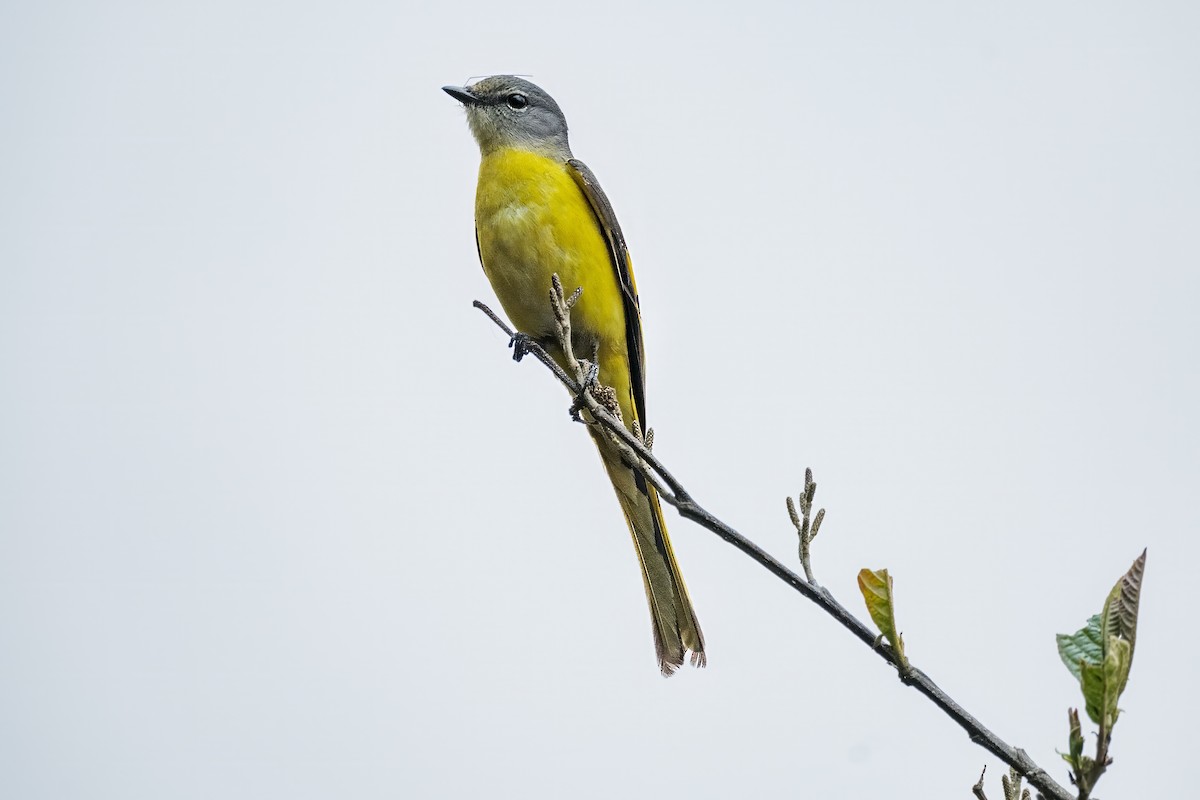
point(591, 376)
point(522, 344)
point(577, 405)
point(591, 382)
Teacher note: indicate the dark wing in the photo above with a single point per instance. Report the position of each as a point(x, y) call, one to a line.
point(618, 254)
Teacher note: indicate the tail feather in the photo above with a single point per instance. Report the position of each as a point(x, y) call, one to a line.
point(676, 630)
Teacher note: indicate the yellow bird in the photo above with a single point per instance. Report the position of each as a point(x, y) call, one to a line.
point(540, 211)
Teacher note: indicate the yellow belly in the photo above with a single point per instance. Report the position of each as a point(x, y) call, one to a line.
point(532, 221)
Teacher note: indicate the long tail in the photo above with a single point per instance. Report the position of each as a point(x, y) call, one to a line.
point(676, 630)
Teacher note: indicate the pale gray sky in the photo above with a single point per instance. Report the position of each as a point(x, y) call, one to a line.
point(279, 518)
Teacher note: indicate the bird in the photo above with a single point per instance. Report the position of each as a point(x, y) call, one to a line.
point(539, 211)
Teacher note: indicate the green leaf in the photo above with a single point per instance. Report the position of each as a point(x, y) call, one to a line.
point(1120, 614)
point(1082, 647)
point(876, 588)
point(1102, 683)
point(1100, 654)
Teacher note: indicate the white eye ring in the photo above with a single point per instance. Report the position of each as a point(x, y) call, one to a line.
point(517, 101)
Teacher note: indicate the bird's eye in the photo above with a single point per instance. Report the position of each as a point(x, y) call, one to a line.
point(517, 101)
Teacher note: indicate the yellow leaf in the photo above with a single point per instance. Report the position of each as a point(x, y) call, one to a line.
point(876, 588)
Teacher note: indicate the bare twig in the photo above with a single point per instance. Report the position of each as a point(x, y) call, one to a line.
point(977, 789)
point(1101, 762)
point(673, 492)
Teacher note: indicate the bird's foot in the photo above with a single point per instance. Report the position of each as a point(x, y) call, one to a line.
point(591, 375)
point(522, 344)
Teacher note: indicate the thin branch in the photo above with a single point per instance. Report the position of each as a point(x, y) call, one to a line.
point(668, 488)
point(1086, 771)
point(673, 492)
point(977, 789)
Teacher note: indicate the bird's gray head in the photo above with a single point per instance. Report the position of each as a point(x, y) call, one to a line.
point(509, 112)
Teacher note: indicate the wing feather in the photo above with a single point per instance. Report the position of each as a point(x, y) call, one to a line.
point(618, 254)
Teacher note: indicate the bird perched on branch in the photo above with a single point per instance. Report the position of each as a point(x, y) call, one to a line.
point(539, 212)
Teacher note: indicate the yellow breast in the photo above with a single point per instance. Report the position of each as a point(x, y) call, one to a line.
point(532, 221)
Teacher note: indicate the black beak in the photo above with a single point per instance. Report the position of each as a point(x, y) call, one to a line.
point(462, 94)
